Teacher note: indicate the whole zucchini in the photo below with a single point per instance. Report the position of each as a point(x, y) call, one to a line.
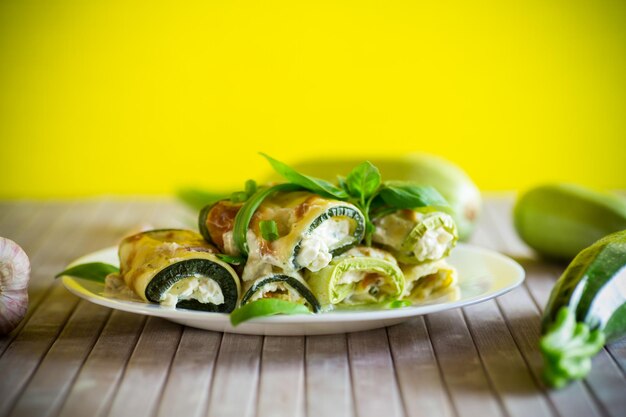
point(587, 307)
point(560, 220)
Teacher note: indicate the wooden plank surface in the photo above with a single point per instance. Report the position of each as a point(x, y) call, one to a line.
point(374, 386)
point(71, 358)
point(281, 387)
point(237, 370)
point(328, 387)
point(419, 376)
point(96, 383)
point(191, 372)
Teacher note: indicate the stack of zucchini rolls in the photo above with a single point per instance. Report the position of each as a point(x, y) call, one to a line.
point(318, 257)
point(307, 242)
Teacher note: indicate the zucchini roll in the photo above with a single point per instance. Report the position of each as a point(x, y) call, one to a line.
point(416, 236)
point(429, 280)
point(216, 223)
point(288, 287)
point(311, 230)
point(177, 268)
point(363, 275)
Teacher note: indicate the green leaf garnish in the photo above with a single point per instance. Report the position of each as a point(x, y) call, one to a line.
point(363, 184)
point(93, 271)
point(407, 195)
point(238, 197)
point(363, 181)
point(244, 215)
point(266, 307)
point(399, 304)
point(269, 230)
point(342, 182)
point(233, 260)
point(250, 188)
point(315, 185)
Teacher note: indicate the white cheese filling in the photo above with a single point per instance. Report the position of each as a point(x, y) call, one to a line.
point(229, 244)
point(203, 289)
point(276, 290)
point(258, 264)
point(351, 276)
point(392, 230)
point(315, 248)
point(367, 285)
point(433, 244)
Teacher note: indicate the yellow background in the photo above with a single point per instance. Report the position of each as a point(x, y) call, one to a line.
point(144, 96)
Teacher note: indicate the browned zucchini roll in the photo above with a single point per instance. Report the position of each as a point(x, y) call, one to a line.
point(178, 268)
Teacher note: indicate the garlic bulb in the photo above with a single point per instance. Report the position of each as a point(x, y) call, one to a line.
point(14, 276)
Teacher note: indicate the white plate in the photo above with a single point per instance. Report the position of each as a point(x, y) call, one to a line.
point(483, 274)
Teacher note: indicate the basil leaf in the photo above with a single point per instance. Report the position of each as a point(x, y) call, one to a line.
point(399, 304)
point(197, 199)
point(244, 215)
point(250, 188)
point(363, 180)
point(269, 230)
point(342, 182)
point(94, 271)
point(265, 307)
point(315, 185)
point(233, 260)
point(238, 197)
point(407, 195)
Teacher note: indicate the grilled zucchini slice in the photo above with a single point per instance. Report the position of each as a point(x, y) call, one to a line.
point(178, 268)
point(361, 276)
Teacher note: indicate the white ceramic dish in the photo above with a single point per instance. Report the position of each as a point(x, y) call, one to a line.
point(483, 274)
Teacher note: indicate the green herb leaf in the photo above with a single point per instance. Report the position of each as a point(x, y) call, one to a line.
point(197, 199)
point(315, 185)
point(265, 307)
point(269, 230)
point(244, 215)
point(399, 304)
point(363, 181)
point(233, 260)
point(250, 188)
point(407, 195)
point(94, 271)
point(238, 197)
point(342, 182)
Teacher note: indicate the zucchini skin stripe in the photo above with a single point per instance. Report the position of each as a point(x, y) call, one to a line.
point(164, 279)
point(202, 227)
point(291, 281)
point(346, 211)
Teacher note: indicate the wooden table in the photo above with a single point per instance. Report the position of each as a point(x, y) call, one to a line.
point(73, 358)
